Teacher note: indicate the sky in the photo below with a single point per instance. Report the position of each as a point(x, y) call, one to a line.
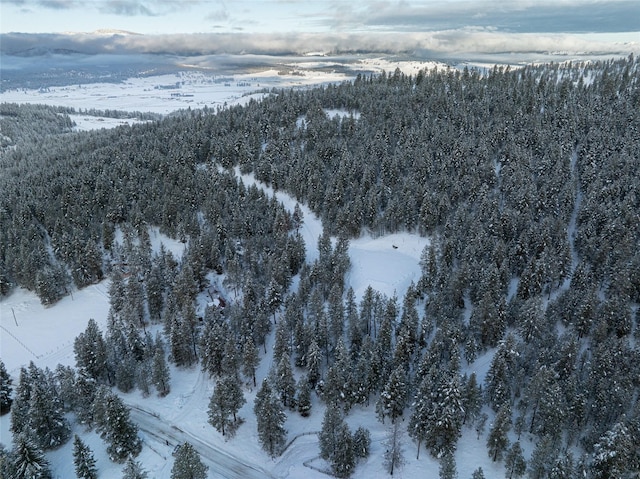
point(493, 25)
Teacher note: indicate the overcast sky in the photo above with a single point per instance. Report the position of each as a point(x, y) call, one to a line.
point(492, 25)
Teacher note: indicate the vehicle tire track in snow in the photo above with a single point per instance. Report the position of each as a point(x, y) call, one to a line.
point(223, 463)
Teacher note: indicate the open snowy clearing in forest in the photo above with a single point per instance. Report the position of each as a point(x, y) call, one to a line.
point(389, 264)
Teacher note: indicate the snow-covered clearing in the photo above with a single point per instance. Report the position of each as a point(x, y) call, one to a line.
point(88, 122)
point(388, 264)
point(166, 93)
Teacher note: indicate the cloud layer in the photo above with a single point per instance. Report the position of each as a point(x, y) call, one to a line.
point(433, 27)
point(446, 42)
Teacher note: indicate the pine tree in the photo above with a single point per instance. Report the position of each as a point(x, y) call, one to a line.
point(65, 378)
point(393, 397)
point(514, 462)
point(112, 420)
point(160, 371)
point(336, 443)
point(394, 453)
point(84, 394)
point(343, 461)
point(613, 453)
point(5, 389)
point(226, 401)
point(282, 342)
point(418, 427)
point(498, 442)
point(438, 412)
point(212, 342)
point(478, 474)
point(304, 397)
point(29, 461)
point(314, 360)
point(133, 470)
point(471, 399)
point(501, 373)
point(230, 357)
point(187, 464)
point(543, 457)
point(6, 463)
point(47, 421)
point(328, 436)
point(270, 418)
point(83, 460)
point(20, 406)
point(448, 467)
point(297, 218)
point(359, 382)
point(250, 360)
point(91, 352)
point(38, 411)
point(285, 383)
point(362, 442)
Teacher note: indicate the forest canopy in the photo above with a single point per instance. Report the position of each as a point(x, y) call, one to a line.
point(527, 181)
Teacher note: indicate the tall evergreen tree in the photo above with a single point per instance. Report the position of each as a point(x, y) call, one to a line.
point(20, 407)
point(285, 383)
point(83, 460)
point(271, 418)
point(187, 463)
point(343, 461)
point(160, 375)
point(47, 422)
point(514, 463)
point(112, 421)
point(133, 470)
point(226, 401)
point(84, 395)
point(362, 442)
point(304, 397)
point(498, 441)
point(29, 461)
point(393, 397)
point(91, 352)
point(448, 467)
point(250, 360)
point(6, 464)
point(394, 454)
point(5, 389)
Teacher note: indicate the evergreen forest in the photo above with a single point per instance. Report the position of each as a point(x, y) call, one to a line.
point(525, 180)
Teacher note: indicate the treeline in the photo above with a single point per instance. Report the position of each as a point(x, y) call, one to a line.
point(526, 181)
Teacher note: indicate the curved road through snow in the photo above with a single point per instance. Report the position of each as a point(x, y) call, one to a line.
point(221, 463)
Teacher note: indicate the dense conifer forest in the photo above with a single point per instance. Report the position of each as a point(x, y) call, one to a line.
point(526, 180)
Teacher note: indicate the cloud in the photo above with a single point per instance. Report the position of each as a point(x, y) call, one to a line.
point(517, 16)
point(437, 44)
point(114, 7)
point(58, 4)
point(126, 8)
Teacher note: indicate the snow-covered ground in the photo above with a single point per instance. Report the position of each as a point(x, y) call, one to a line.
point(31, 332)
point(45, 336)
point(197, 89)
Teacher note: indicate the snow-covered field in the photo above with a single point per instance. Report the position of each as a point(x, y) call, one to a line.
point(196, 89)
point(31, 332)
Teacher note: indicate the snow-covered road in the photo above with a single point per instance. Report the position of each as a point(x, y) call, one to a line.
point(163, 436)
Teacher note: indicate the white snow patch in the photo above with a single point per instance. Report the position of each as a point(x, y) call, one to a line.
point(88, 122)
point(388, 264)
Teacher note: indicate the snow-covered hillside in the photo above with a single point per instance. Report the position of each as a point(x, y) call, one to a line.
point(45, 336)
